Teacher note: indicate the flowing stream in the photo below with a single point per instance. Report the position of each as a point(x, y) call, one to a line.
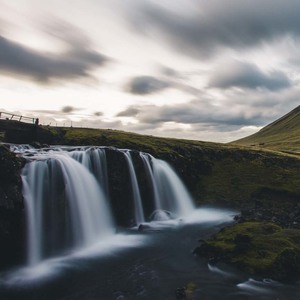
point(76, 250)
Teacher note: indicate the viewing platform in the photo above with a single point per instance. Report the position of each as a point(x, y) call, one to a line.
point(13, 117)
point(21, 129)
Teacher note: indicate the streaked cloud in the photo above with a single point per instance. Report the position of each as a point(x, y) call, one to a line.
point(68, 109)
point(247, 75)
point(186, 68)
point(75, 62)
point(144, 85)
point(207, 27)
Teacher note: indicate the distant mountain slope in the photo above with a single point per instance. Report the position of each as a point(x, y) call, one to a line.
point(281, 135)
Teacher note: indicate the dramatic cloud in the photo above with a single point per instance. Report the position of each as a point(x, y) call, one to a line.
point(238, 110)
point(212, 70)
point(129, 112)
point(144, 85)
point(68, 109)
point(75, 62)
point(246, 75)
point(194, 112)
point(210, 25)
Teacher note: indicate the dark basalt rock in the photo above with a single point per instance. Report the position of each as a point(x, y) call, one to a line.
point(287, 265)
point(10, 181)
point(12, 219)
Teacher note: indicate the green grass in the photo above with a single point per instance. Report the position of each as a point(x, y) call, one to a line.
point(259, 248)
point(214, 173)
point(281, 135)
point(122, 139)
point(238, 180)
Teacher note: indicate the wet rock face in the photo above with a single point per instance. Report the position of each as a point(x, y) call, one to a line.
point(120, 190)
point(12, 218)
point(10, 181)
point(120, 193)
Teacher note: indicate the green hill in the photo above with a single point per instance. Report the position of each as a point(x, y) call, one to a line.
point(225, 174)
point(281, 135)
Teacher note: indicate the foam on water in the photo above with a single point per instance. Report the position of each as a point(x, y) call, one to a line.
point(56, 266)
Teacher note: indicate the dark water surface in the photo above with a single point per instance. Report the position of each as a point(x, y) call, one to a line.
point(150, 264)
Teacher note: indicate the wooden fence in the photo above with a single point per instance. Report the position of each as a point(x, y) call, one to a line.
point(8, 116)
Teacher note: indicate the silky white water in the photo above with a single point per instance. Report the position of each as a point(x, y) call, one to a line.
point(65, 206)
point(169, 192)
point(94, 159)
point(138, 205)
point(67, 197)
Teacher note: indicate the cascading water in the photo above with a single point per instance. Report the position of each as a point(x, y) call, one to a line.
point(170, 195)
point(94, 159)
point(138, 205)
point(66, 208)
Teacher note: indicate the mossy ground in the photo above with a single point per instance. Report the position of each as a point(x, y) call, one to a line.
point(258, 248)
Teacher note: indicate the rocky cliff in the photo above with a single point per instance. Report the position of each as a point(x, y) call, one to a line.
point(12, 218)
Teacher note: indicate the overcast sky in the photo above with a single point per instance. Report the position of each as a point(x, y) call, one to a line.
point(212, 70)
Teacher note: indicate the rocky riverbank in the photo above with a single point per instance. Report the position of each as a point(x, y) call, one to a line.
point(264, 243)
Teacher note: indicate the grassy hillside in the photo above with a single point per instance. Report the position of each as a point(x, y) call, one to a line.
point(281, 135)
point(122, 139)
point(226, 174)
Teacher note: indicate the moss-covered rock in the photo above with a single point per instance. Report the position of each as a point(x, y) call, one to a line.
point(260, 249)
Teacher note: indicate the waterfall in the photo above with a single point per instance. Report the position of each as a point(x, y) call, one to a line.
point(138, 206)
point(146, 158)
point(170, 195)
point(66, 197)
point(65, 206)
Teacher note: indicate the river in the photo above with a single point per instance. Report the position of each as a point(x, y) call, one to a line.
point(148, 264)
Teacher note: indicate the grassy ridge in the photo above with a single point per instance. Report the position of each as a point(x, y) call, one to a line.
point(122, 139)
point(214, 173)
point(281, 135)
